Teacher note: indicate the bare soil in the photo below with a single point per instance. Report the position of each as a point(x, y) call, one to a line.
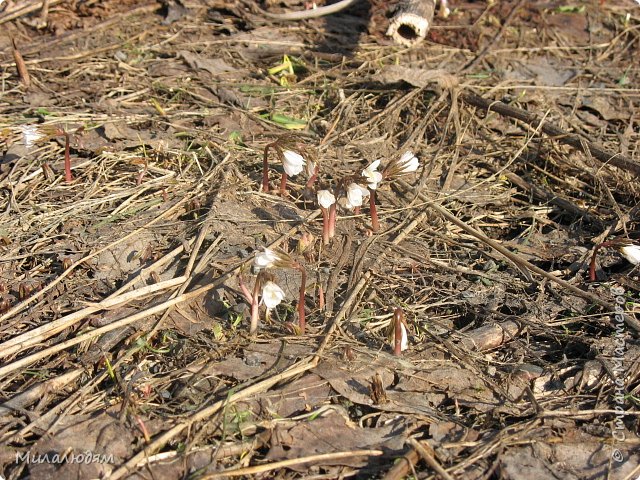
point(124, 334)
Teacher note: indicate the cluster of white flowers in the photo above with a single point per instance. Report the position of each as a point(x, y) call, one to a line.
point(356, 193)
point(272, 294)
point(351, 193)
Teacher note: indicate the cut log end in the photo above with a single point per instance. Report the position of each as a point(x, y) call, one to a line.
point(408, 29)
point(412, 21)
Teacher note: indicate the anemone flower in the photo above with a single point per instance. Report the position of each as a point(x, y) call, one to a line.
point(291, 155)
point(293, 164)
point(407, 163)
point(355, 195)
point(265, 259)
point(373, 176)
point(631, 252)
point(31, 135)
point(269, 258)
point(272, 295)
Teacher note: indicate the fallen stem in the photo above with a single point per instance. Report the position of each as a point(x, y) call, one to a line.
point(629, 320)
point(278, 466)
point(398, 317)
point(303, 286)
point(67, 159)
point(429, 458)
point(577, 141)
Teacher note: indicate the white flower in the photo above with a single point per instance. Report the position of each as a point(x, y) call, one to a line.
point(272, 295)
point(355, 195)
point(30, 135)
point(404, 341)
point(292, 162)
point(372, 175)
point(631, 252)
point(326, 198)
point(265, 259)
point(408, 163)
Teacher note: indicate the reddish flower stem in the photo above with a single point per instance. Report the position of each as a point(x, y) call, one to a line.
point(283, 184)
point(398, 318)
point(325, 226)
point(141, 176)
point(245, 291)
point(255, 311)
point(67, 159)
point(265, 169)
point(375, 224)
point(313, 178)
point(332, 220)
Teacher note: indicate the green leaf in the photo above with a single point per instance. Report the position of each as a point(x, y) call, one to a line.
point(290, 123)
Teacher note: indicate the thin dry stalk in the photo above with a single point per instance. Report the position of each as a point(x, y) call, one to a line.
point(23, 72)
point(22, 305)
point(270, 467)
point(39, 334)
point(430, 459)
point(38, 391)
point(99, 331)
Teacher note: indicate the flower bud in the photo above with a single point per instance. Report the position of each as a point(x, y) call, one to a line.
point(326, 198)
point(372, 175)
point(292, 162)
point(272, 295)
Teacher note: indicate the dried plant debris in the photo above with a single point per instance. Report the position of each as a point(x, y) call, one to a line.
point(236, 246)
